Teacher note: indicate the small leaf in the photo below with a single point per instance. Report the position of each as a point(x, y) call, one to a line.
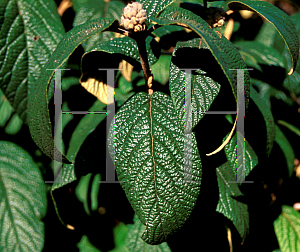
point(268, 117)
point(86, 246)
point(223, 50)
point(230, 207)
point(204, 86)
point(39, 122)
point(287, 229)
point(161, 69)
point(128, 47)
point(136, 244)
point(29, 33)
point(286, 148)
point(23, 200)
point(154, 159)
point(279, 19)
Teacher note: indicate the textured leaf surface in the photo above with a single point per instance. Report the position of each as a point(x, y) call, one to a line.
point(287, 229)
point(251, 160)
point(286, 148)
point(278, 18)
point(154, 7)
point(154, 158)
point(204, 88)
point(29, 32)
point(128, 47)
point(230, 207)
point(22, 199)
point(39, 122)
point(87, 10)
point(136, 244)
point(224, 52)
point(268, 117)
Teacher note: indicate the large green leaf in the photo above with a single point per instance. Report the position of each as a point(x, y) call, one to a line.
point(287, 229)
point(278, 18)
point(286, 148)
point(128, 47)
point(228, 205)
point(223, 50)
point(87, 10)
point(29, 32)
point(22, 199)
point(159, 165)
point(204, 87)
point(154, 7)
point(268, 118)
point(250, 158)
point(136, 244)
point(39, 121)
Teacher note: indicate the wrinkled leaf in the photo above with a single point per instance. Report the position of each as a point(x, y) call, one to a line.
point(39, 122)
point(136, 244)
point(279, 19)
point(204, 88)
point(22, 199)
point(29, 33)
point(154, 7)
point(154, 159)
point(224, 52)
point(228, 205)
point(128, 47)
point(287, 229)
point(250, 158)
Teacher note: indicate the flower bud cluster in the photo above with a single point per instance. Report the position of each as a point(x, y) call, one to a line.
point(216, 17)
point(134, 17)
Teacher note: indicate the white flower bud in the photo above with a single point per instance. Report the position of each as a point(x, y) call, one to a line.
point(134, 17)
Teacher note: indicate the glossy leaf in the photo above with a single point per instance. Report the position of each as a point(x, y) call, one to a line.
point(268, 118)
point(261, 54)
point(287, 229)
point(286, 148)
point(228, 205)
point(136, 244)
point(154, 159)
point(29, 33)
point(250, 158)
point(266, 92)
point(39, 122)
point(204, 87)
point(278, 18)
point(87, 10)
point(223, 50)
point(23, 200)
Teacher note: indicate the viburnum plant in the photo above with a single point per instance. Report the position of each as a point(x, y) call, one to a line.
point(175, 63)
